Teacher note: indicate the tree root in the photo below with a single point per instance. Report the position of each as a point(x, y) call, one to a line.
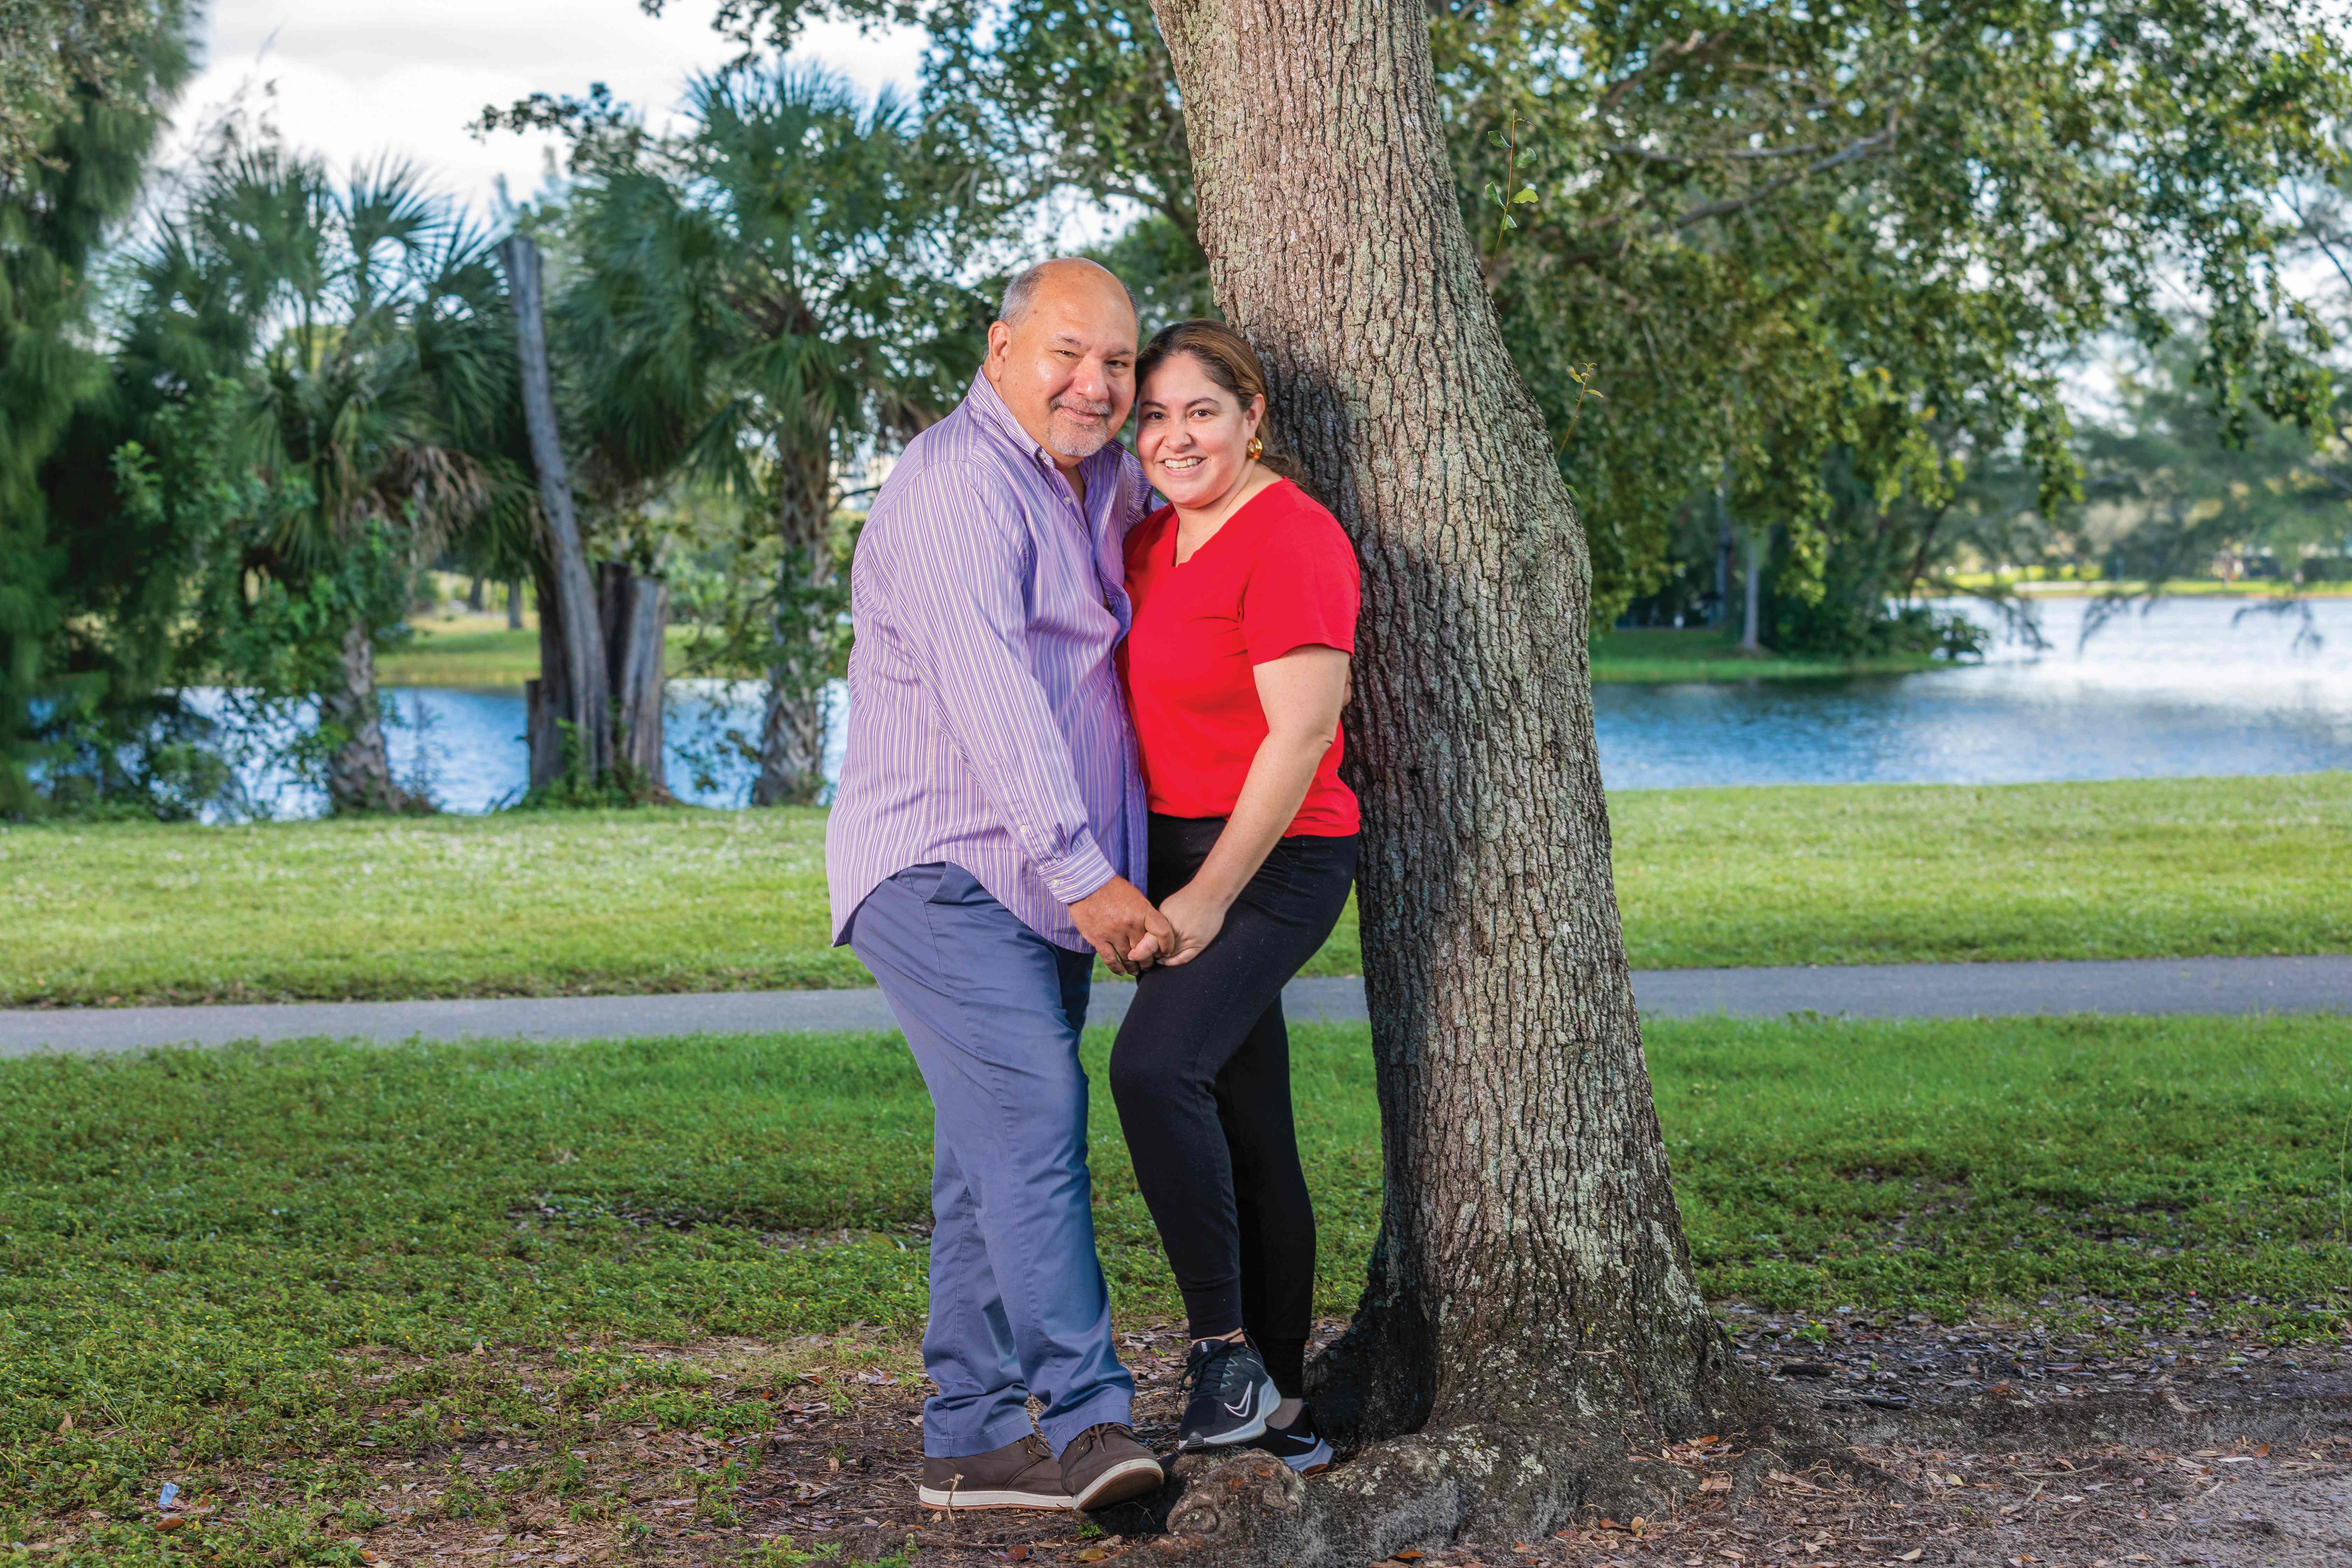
point(1479, 1483)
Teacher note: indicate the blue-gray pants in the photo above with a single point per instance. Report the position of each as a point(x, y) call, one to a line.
point(992, 1012)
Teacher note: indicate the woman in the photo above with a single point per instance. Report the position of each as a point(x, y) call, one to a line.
point(1244, 593)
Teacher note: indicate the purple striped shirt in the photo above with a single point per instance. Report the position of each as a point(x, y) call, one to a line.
point(987, 723)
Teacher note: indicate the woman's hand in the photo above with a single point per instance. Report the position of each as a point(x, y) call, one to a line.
point(1198, 915)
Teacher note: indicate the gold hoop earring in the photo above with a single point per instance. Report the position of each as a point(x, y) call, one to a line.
point(1257, 448)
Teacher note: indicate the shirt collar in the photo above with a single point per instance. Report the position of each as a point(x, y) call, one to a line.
point(988, 406)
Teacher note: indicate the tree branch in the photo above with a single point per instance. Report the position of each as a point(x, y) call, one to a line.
point(1652, 155)
point(1696, 41)
point(1866, 147)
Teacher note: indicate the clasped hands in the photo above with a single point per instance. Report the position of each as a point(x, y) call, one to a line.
point(1129, 935)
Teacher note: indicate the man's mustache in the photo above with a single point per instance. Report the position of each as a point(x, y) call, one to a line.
point(1079, 406)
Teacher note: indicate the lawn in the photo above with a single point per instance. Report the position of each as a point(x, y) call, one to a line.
point(1655, 655)
point(560, 903)
point(227, 1263)
point(474, 651)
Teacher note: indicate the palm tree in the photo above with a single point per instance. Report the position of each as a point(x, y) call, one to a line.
point(760, 303)
point(366, 326)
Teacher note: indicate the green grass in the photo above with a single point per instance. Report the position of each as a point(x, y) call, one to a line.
point(560, 903)
point(1899, 874)
point(257, 1260)
point(1657, 656)
point(469, 652)
point(474, 651)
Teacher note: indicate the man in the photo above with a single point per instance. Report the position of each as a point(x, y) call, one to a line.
point(985, 847)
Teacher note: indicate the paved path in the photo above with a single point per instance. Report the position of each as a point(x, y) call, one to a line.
point(1882, 991)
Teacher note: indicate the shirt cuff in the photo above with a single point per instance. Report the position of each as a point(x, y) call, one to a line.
point(1078, 871)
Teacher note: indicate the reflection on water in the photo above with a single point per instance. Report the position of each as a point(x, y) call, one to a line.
point(465, 745)
point(2190, 688)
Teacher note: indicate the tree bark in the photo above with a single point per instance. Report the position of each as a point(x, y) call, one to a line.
point(582, 699)
point(1723, 547)
point(514, 605)
point(547, 699)
point(1531, 1303)
point(474, 595)
point(359, 772)
point(635, 610)
point(792, 728)
point(1751, 613)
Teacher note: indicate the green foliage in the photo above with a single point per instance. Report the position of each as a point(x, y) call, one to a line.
point(2179, 482)
point(197, 1243)
point(1774, 239)
point(82, 92)
point(318, 390)
point(659, 900)
point(60, 57)
point(759, 304)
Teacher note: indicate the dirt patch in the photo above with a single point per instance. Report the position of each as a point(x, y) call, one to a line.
point(1976, 1445)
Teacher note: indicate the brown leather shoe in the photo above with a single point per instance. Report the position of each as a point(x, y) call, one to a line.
point(1104, 1465)
point(1018, 1475)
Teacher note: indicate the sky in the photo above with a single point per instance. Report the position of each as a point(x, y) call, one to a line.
point(355, 79)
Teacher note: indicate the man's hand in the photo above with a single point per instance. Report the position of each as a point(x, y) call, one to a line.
point(1126, 933)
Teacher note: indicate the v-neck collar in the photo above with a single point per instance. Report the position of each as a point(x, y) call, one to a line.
point(1176, 528)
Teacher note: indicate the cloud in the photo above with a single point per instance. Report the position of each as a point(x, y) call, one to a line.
point(355, 80)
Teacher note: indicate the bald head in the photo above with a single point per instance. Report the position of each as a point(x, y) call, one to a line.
point(1062, 271)
point(1062, 356)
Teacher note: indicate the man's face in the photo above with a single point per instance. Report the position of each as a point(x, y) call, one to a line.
point(1066, 369)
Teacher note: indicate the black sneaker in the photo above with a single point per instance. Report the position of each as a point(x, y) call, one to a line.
point(1231, 1395)
point(1298, 1445)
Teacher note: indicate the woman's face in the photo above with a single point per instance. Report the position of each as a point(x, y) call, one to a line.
point(1192, 435)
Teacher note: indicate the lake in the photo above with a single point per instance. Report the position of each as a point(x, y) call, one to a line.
point(2192, 687)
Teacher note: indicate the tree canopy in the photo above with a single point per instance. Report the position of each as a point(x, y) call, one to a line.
point(1737, 245)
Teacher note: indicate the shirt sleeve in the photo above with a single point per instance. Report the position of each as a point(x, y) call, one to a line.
point(952, 568)
point(1303, 589)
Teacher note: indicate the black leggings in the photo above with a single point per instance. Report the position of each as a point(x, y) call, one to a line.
point(1202, 1076)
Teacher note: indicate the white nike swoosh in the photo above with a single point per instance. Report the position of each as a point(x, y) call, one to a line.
point(1242, 1409)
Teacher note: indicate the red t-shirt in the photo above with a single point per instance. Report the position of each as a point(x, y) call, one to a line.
point(1279, 577)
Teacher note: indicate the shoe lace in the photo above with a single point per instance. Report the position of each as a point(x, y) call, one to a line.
point(1200, 1372)
point(1101, 1432)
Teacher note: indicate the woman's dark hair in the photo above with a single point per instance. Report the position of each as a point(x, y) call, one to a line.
point(1232, 364)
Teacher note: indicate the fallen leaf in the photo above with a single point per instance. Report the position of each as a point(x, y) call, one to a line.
point(1410, 1554)
point(170, 1522)
point(1912, 1555)
point(1094, 1555)
point(1715, 1484)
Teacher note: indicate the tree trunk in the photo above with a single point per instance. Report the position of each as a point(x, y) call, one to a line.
point(583, 702)
point(1723, 547)
point(792, 728)
point(1750, 619)
point(1531, 1303)
point(636, 609)
point(548, 700)
point(474, 595)
point(359, 771)
point(514, 604)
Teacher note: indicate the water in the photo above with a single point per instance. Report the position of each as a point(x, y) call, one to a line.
point(2190, 688)
point(463, 746)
